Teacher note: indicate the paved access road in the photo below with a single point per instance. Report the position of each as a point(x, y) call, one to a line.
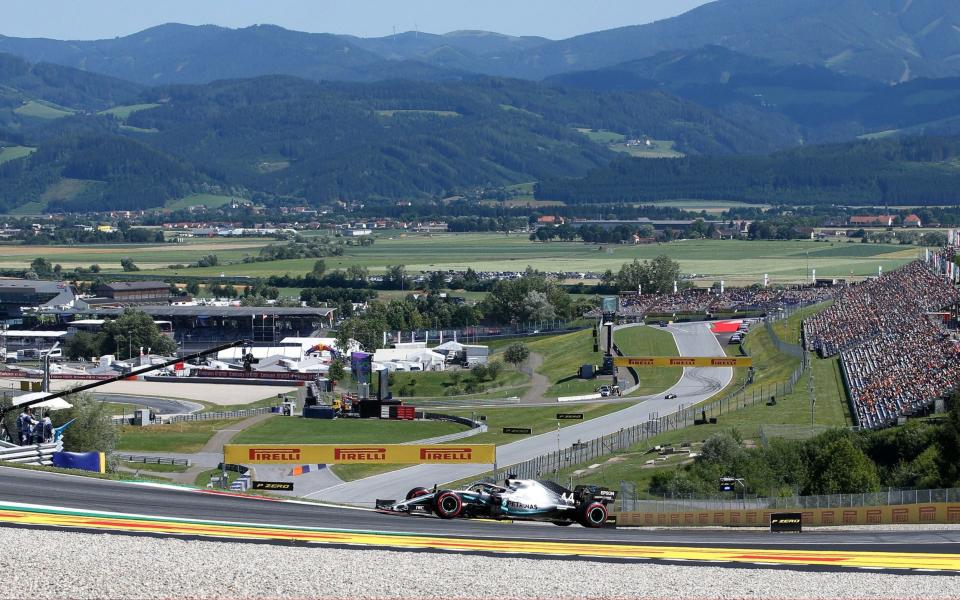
point(696, 385)
point(180, 512)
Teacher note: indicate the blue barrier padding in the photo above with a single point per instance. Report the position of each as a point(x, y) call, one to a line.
point(85, 461)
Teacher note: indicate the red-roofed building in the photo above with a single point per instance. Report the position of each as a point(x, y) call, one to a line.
point(912, 221)
point(550, 220)
point(872, 221)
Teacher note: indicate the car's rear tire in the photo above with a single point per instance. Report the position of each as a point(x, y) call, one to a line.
point(593, 515)
point(447, 505)
point(416, 492)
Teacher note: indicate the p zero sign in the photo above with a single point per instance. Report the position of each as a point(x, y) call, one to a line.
point(366, 454)
point(786, 522)
point(682, 361)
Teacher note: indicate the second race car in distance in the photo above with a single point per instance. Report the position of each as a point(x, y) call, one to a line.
point(516, 499)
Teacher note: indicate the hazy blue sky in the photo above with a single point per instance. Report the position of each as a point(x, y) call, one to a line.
point(557, 19)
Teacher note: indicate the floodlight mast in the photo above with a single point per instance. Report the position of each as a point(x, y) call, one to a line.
point(134, 373)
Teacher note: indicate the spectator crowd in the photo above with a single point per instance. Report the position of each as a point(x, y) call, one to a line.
point(703, 301)
point(896, 354)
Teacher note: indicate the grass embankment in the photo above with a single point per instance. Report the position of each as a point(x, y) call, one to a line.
point(539, 419)
point(649, 341)
point(790, 417)
point(451, 384)
point(562, 357)
point(183, 437)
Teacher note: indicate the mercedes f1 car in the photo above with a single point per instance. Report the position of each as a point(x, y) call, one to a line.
point(516, 499)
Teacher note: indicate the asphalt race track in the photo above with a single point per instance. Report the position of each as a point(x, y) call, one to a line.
point(248, 519)
point(696, 385)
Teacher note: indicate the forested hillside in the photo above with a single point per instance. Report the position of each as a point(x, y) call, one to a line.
point(95, 173)
point(921, 171)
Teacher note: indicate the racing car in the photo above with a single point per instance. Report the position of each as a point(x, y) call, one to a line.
point(516, 499)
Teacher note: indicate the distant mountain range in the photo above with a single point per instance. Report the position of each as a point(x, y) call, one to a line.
point(883, 40)
point(287, 137)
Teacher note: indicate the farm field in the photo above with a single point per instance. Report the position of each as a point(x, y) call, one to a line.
point(14, 152)
point(735, 261)
point(42, 110)
point(147, 256)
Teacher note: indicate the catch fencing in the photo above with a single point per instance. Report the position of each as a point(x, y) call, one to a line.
point(479, 332)
point(36, 454)
point(627, 500)
point(547, 465)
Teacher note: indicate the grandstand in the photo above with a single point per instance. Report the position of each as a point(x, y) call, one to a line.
point(896, 353)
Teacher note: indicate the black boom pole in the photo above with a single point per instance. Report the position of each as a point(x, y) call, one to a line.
point(96, 384)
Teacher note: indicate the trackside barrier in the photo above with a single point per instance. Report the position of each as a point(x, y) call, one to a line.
point(167, 419)
point(152, 460)
point(940, 513)
point(548, 464)
point(628, 501)
point(37, 454)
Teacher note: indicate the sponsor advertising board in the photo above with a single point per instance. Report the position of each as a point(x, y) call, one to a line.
point(569, 416)
point(786, 522)
point(256, 375)
point(276, 486)
point(682, 361)
point(518, 430)
point(398, 454)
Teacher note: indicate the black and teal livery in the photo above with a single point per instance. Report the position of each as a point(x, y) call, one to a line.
point(516, 499)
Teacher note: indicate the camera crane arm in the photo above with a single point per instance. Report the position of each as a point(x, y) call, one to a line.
point(134, 373)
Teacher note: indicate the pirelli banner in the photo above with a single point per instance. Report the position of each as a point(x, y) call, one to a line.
point(682, 361)
point(366, 454)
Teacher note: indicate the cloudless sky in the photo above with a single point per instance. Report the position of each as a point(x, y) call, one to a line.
point(556, 19)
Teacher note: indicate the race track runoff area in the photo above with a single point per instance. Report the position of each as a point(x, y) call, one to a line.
point(503, 539)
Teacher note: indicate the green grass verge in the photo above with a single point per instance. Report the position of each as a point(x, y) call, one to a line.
point(562, 357)
point(177, 437)
point(438, 384)
point(203, 478)
point(650, 341)
point(539, 419)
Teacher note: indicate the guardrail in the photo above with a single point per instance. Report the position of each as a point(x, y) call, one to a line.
point(234, 414)
point(36, 454)
point(152, 460)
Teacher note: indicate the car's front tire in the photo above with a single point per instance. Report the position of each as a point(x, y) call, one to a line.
point(417, 492)
point(447, 505)
point(593, 515)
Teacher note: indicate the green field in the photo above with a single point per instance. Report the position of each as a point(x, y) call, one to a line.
point(157, 255)
point(650, 341)
point(14, 152)
point(440, 384)
point(656, 149)
point(208, 200)
point(123, 112)
point(434, 113)
point(602, 136)
point(43, 110)
point(738, 262)
point(176, 437)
